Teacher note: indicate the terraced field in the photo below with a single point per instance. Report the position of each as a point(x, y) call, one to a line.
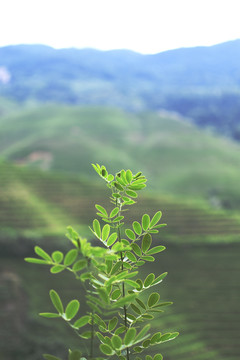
point(202, 259)
point(202, 283)
point(35, 204)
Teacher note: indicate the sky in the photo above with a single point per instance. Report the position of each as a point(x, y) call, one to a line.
point(145, 26)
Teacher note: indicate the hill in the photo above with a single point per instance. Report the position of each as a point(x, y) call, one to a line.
point(193, 176)
point(178, 158)
point(201, 83)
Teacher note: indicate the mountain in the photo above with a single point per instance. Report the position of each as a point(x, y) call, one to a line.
point(201, 83)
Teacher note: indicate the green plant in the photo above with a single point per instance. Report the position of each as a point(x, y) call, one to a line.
point(118, 310)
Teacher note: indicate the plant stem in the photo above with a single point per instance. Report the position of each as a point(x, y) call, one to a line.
point(123, 285)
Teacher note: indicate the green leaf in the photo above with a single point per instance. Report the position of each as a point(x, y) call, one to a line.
point(114, 212)
point(140, 180)
point(101, 324)
point(146, 242)
point(136, 176)
point(75, 355)
point(50, 315)
point(142, 333)
point(155, 250)
point(140, 284)
point(136, 249)
point(57, 269)
point(97, 228)
point(85, 276)
point(118, 186)
point(82, 321)
point(140, 262)
point(159, 226)
point(112, 238)
point(155, 219)
point(116, 195)
point(131, 193)
point(79, 265)
point(129, 176)
point(158, 357)
point(131, 256)
point(130, 234)
point(126, 275)
point(149, 280)
point(56, 301)
point(137, 186)
point(166, 303)
point(40, 252)
point(72, 309)
point(153, 299)
point(137, 227)
point(141, 304)
point(106, 349)
point(119, 218)
point(103, 294)
point(153, 231)
point(105, 232)
point(148, 258)
point(130, 336)
point(124, 300)
point(146, 343)
point(57, 256)
point(96, 168)
point(148, 357)
point(100, 337)
point(120, 330)
point(116, 267)
point(110, 178)
point(70, 257)
point(138, 349)
point(112, 323)
point(145, 221)
point(115, 294)
point(86, 335)
point(168, 336)
point(131, 318)
point(159, 278)
point(156, 338)
point(104, 172)
point(36, 261)
point(136, 309)
point(116, 342)
point(102, 210)
point(50, 357)
point(131, 283)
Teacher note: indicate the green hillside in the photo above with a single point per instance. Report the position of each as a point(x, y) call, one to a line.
point(178, 158)
point(47, 183)
point(203, 277)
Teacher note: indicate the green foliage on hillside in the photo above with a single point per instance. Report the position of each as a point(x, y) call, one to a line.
point(177, 157)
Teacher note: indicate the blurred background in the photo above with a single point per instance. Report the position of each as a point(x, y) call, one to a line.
point(148, 85)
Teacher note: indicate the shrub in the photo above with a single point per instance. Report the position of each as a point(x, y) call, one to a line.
point(119, 313)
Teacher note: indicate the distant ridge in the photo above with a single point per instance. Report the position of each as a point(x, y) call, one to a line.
point(202, 83)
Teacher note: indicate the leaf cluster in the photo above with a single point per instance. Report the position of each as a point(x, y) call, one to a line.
point(120, 303)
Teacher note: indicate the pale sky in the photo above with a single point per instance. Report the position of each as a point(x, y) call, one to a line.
point(145, 26)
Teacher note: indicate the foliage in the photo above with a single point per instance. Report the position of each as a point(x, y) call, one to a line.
point(119, 313)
